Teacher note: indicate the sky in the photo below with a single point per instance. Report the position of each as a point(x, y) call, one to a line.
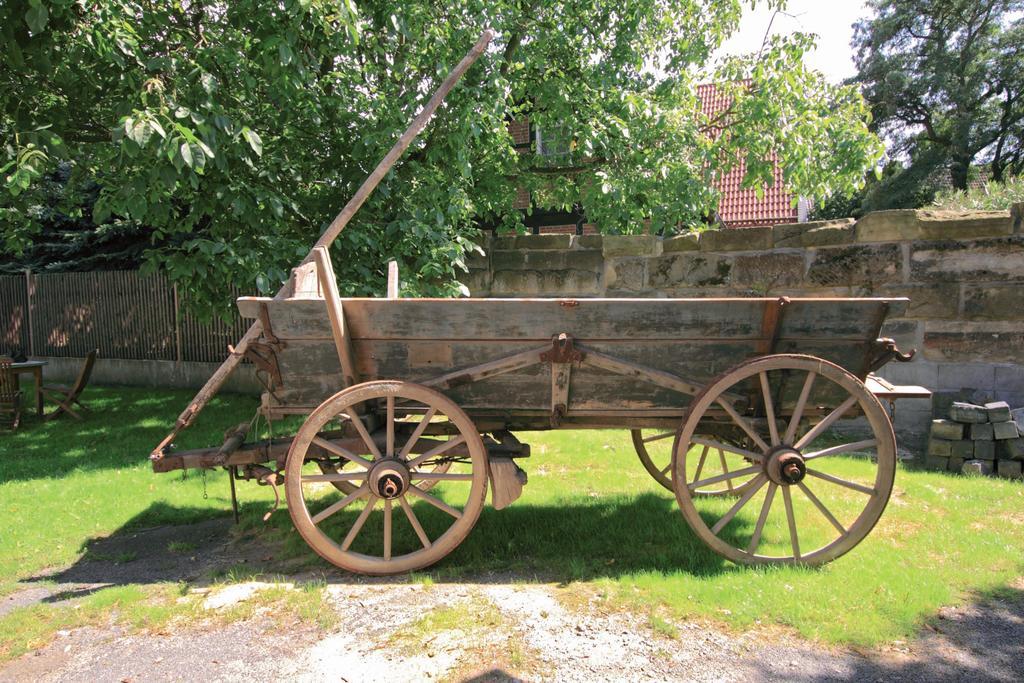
point(831, 20)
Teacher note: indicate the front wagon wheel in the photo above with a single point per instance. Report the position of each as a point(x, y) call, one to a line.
point(833, 485)
point(387, 523)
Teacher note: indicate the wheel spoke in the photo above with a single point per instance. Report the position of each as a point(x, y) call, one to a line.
point(344, 502)
point(841, 482)
point(769, 409)
point(436, 502)
point(667, 468)
point(700, 463)
point(440, 476)
point(821, 508)
point(390, 438)
point(437, 450)
point(743, 424)
point(762, 518)
point(338, 450)
point(754, 488)
point(358, 526)
point(798, 409)
point(387, 529)
point(414, 522)
point(722, 477)
point(787, 498)
point(842, 448)
point(756, 457)
point(725, 468)
point(357, 422)
point(334, 476)
point(417, 433)
point(819, 428)
point(659, 437)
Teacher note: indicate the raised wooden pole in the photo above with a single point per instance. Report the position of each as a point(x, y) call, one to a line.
point(218, 378)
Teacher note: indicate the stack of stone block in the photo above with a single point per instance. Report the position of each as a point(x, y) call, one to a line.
point(985, 439)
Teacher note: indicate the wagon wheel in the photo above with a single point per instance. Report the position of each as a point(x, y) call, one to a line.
point(415, 528)
point(833, 491)
point(657, 460)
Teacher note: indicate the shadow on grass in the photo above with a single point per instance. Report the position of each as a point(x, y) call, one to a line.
point(980, 641)
point(575, 541)
point(120, 429)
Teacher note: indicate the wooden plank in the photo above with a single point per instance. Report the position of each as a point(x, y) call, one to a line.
point(560, 376)
point(635, 370)
point(588, 319)
point(392, 280)
point(336, 314)
point(485, 370)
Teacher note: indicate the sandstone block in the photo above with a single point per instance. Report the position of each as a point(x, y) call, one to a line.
point(689, 270)
point(962, 449)
point(767, 272)
point(888, 226)
point(1009, 469)
point(998, 411)
point(736, 239)
point(631, 245)
point(947, 429)
point(687, 241)
point(944, 225)
point(996, 259)
point(590, 241)
point(1005, 430)
point(967, 413)
point(828, 235)
point(936, 462)
point(981, 467)
point(980, 432)
point(993, 302)
point(1017, 216)
point(1017, 415)
point(940, 447)
point(955, 464)
point(984, 450)
point(995, 345)
point(1012, 449)
point(858, 264)
point(625, 274)
point(930, 301)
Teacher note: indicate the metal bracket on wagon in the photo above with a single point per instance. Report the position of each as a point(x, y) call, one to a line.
point(562, 350)
point(884, 350)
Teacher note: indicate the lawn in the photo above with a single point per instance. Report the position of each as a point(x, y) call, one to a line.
point(591, 516)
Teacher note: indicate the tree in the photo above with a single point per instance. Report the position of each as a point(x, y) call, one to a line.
point(945, 81)
point(232, 131)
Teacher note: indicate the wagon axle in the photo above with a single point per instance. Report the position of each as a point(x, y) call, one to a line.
point(785, 466)
point(389, 478)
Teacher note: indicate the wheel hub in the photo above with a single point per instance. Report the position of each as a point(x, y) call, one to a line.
point(389, 479)
point(785, 466)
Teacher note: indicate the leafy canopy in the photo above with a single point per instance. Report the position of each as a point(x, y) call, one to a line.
point(231, 132)
point(945, 81)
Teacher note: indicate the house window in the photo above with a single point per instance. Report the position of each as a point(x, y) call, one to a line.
point(554, 145)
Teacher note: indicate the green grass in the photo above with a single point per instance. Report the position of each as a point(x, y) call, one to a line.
point(590, 519)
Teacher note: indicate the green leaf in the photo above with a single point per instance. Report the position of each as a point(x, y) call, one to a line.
point(186, 154)
point(37, 17)
point(254, 140)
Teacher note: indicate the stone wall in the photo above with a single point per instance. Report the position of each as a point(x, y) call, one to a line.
point(963, 272)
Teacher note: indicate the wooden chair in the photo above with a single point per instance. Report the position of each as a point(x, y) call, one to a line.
point(66, 397)
point(10, 395)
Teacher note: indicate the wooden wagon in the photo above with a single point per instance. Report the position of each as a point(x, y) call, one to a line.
point(410, 408)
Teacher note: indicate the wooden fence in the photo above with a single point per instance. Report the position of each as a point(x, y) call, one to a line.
point(122, 313)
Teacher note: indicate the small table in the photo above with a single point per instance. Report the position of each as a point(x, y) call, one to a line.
point(36, 368)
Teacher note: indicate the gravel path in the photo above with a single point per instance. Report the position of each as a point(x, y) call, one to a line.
point(516, 632)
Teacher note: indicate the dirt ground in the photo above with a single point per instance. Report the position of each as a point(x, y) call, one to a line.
point(531, 632)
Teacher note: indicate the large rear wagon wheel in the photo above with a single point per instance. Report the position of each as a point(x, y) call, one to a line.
point(833, 489)
point(414, 528)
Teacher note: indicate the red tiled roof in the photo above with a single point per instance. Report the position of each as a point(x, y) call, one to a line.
point(739, 207)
